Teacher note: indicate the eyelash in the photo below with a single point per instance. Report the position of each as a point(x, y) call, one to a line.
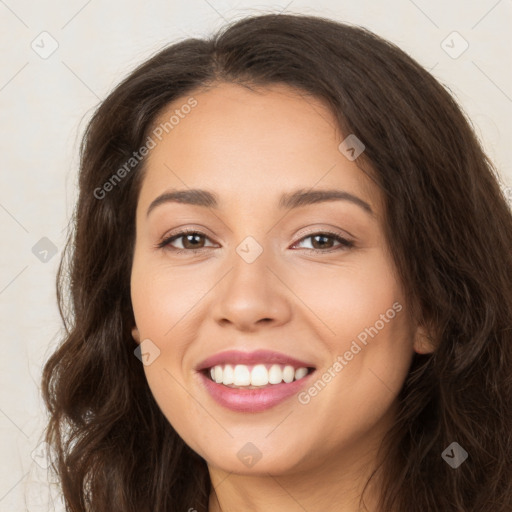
point(164, 244)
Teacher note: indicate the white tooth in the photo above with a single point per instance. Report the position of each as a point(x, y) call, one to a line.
point(275, 374)
point(218, 374)
point(288, 374)
point(227, 375)
point(259, 375)
point(212, 372)
point(300, 372)
point(241, 377)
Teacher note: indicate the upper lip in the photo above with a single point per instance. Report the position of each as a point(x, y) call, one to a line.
point(258, 356)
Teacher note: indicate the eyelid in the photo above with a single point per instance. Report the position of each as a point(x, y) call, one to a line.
point(334, 231)
point(184, 230)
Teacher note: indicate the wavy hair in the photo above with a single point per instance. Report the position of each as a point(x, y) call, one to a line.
point(449, 230)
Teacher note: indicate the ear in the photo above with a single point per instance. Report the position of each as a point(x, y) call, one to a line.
point(136, 334)
point(423, 343)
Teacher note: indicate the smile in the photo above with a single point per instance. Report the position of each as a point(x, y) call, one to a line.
point(253, 381)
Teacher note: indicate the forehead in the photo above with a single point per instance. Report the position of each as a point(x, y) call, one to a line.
point(250, 145)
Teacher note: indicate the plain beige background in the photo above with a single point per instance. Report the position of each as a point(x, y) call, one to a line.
point(60, 59)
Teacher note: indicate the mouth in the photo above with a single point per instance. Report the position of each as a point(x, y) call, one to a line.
point(253, 382)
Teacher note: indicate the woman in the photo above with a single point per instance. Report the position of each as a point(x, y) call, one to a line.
point(289, 286)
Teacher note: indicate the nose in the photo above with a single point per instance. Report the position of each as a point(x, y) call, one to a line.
point(252, 295)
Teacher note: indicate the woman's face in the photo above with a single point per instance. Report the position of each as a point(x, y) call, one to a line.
point(270, 274)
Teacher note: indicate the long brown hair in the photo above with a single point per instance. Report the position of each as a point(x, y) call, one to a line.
point(448, 226)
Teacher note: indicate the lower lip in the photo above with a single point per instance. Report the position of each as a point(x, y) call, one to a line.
point(253, 400)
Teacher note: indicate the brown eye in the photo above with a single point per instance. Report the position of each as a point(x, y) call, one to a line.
point(321, 243)
point(190, 241)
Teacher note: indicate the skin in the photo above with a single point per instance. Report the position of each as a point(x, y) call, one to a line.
point(249, 147)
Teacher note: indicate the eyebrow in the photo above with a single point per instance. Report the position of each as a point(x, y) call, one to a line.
point(288, 201)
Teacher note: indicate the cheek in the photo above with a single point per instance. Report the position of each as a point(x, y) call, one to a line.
point(162, 296)
point(349, 298)
point(163, 303)
point(364, 326)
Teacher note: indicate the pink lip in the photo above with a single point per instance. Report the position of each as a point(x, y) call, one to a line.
point(258, 356)
point(253, 400)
